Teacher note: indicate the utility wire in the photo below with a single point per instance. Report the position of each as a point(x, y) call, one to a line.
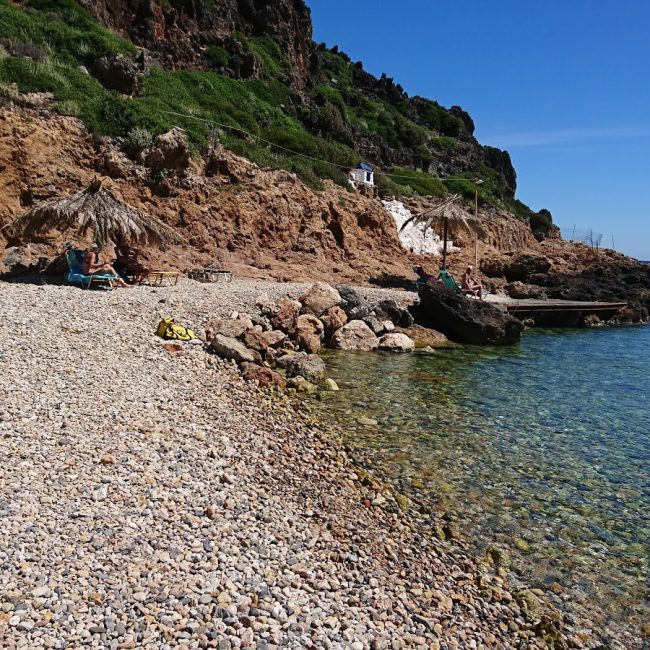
point(302, 155)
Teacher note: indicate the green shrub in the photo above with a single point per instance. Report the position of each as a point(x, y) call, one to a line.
point(138, 138)
point(417, 181)
point(218, 56)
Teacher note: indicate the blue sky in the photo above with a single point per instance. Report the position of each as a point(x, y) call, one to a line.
point(564, 86)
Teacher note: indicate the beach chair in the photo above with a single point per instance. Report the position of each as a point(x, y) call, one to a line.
point(448, 280)
point(74, 258)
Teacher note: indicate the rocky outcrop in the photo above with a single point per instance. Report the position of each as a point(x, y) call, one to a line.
point(465, 320)
point(169, 151)
point(119, 73)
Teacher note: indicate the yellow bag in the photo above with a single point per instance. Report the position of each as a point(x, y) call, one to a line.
point(168, 330)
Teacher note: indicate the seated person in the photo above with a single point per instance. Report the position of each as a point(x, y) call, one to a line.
point(423, 276)
point(470, 284)
point(92, 265)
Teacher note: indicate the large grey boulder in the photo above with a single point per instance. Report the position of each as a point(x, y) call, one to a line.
point(226, 327)
point(355, 335)
point(464, 320)
point(354, 306)
point(229, 348)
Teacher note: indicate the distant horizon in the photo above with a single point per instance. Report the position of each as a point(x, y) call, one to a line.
point(558, 87)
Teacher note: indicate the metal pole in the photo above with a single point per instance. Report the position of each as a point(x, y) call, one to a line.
point(476, 231)
point(444, 246)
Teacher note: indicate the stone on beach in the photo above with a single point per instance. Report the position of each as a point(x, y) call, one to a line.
point(226, 327)
point(333, 319)
point(355, 335)
point(309, 333)
point(319, 298)
point(230, 348)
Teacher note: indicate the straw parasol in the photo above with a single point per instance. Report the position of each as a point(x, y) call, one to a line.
point(446, 211)
point(99, 210)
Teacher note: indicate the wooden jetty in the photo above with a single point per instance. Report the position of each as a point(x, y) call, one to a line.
point(557, 313)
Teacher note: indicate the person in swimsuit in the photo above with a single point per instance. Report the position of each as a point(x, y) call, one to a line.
point(470, 284)
point(92, 265)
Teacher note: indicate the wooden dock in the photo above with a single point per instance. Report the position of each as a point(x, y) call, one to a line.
point(557, 312)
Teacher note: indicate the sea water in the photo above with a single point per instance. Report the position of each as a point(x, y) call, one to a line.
point(542, 448)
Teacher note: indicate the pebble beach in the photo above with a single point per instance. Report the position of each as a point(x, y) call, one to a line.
point(150, 498)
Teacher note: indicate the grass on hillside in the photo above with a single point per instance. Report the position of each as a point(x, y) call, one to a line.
point(43, 45)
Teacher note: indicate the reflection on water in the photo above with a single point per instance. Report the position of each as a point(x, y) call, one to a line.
point(543, 447)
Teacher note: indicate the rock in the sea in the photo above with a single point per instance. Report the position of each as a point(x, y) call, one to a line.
point(396, 342)
point(333, 319)
point(425, 337)
point(331, 385)
point(265, 377)
point(465, 320)
point(231, 328)
point(309, 366)
point(319, 298)
point(228, 347)
point(284, 315)
point(309, 332)
point(355, 335)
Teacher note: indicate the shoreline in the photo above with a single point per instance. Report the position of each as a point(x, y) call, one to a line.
point(183, 518)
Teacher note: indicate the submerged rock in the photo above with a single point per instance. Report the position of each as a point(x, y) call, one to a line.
point(396, 342)
point(309, 366)
point(465, 320)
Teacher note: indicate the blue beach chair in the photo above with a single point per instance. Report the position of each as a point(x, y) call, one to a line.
point(74, 258)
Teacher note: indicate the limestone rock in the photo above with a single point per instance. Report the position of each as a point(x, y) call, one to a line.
point(309, 332)
point(319, 298)
point(228, 347)
point(396, 342)
point(333, 319)
point(309, 366)
point(355, 335)
point(464, 320)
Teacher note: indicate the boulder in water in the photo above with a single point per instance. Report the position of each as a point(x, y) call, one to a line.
point(465, 320)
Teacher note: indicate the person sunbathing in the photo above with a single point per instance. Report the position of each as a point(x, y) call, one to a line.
point(470, 284)
point(92, 265)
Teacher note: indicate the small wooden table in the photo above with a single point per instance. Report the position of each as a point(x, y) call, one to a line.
point(157, 278)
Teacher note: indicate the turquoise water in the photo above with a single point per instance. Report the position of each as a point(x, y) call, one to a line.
point(543, 448)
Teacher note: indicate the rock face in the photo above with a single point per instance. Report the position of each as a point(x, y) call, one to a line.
point(465, 320)
point(396, 342)
point(229, 348)
point(319, 298)
point(118, 73)
point(355, 335)
point(309, 366)
point(309, 332)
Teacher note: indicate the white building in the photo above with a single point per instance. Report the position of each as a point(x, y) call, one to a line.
point(362, 175)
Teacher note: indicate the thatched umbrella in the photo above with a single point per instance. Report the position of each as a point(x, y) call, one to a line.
point(448, 210)
point(96, 209)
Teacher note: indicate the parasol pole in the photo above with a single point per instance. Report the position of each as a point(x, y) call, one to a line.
point(444, 246)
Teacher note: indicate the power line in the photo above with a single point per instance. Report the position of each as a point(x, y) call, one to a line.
point(302, 155)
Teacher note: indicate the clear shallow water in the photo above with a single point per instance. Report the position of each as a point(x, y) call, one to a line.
point(543, 447)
